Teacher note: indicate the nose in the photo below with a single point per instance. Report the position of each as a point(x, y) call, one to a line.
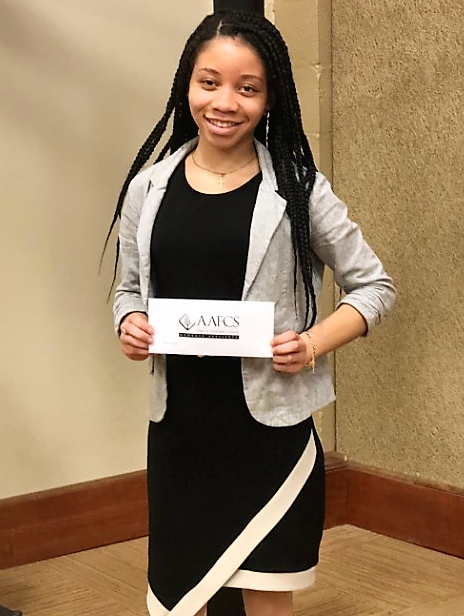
point(225, 100)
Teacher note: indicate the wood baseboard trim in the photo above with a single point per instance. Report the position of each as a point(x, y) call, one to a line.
point(429, 515)
point(61, 521)
point(65, 520)
point(336, 497)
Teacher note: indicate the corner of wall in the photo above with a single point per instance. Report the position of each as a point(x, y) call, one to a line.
point(309, 42)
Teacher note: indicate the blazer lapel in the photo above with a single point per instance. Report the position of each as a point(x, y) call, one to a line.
point(147, 217)
point(269, 211)
point(156, 190)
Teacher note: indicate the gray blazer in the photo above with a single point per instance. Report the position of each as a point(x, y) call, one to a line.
point(273, 398)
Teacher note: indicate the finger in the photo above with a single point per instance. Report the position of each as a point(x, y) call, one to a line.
point(292, 368)
point(284, 359)
point(129, 341)
point(133, 345)
point(292, 361)
point(140, 320)
point(287, 347)
point(132, 332)
point(135, 354)
point(287, 336)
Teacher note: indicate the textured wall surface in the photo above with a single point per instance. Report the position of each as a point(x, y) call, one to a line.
point(398, 81)
point(305, 26)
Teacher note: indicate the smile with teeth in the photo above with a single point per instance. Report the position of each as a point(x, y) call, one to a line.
point(222, 123)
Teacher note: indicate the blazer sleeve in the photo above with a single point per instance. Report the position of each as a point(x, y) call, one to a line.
point(338, 242)
point(127, 297)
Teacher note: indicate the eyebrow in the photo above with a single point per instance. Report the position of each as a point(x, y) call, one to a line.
point(216, 72)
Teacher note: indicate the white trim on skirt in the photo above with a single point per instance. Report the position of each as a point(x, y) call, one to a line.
point(256, 580)
point(226, 570)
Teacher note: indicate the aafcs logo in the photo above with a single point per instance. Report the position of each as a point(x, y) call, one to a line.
point(210, 326)
point(186, 322)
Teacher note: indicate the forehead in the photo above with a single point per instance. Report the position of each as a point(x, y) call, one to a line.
point(229, 52)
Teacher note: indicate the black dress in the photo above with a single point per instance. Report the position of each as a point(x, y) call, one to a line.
point(232, 502)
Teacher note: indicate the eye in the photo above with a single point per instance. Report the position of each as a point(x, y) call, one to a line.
point(208, 83)
point(249, 89)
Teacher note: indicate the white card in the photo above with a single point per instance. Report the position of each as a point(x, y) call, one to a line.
point(211, 327)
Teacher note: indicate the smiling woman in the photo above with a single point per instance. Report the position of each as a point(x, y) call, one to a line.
point(227, 97)
point(238, 211)
point(228, 90)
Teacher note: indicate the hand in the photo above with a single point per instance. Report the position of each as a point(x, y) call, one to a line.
point(136, 336)
point(290, 352)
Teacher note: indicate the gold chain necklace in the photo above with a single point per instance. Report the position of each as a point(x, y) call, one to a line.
point(223, 175)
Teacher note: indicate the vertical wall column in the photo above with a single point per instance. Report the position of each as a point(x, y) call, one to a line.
point(306, 27)
point(252, 6)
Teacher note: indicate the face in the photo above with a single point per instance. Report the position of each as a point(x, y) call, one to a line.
point(227, 92)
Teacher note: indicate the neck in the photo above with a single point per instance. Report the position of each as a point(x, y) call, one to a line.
point(223, 160)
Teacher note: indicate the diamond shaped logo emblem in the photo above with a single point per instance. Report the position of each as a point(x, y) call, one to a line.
point(186, 322)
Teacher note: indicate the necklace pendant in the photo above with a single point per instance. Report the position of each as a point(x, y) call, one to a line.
point(221, 181)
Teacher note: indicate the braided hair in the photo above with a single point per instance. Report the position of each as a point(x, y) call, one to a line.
point(281, 130)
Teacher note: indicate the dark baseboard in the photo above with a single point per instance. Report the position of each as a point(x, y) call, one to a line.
point(417, 512)
point(336, 490)
point(65, 520)
point(429, 515)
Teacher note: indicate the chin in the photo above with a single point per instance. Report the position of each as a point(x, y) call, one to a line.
point(225, 141)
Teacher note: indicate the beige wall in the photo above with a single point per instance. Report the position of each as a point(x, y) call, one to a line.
point(82, 83)
point(398, 148)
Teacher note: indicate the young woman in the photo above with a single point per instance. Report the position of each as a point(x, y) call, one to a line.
point(237, 211)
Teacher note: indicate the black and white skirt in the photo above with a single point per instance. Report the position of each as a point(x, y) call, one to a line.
point(232, 502)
